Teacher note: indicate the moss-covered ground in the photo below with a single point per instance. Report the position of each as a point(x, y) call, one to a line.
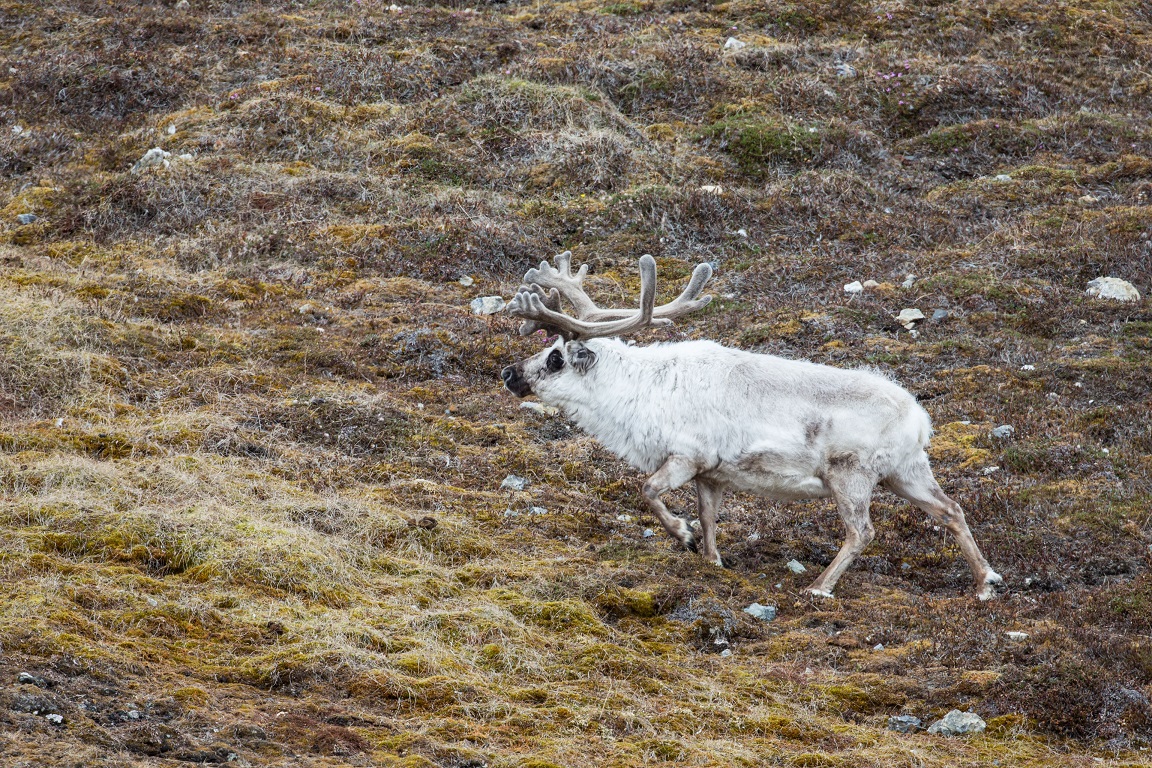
point(252, 437)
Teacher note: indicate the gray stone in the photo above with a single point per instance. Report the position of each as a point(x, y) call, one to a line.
point(908, 281)
point(648, 533)
point(732, 44)
point(153, 158)
point(515, 483)
point(1003, 431)
point(845, 70)
point(939, 314)
point(909, 316)
point(55, 719)
point(956, 723)
point(1113, 288)
point(27, 218)
point(465, 281)
point(1017, 636)
point(487, 305)
point(904, 723)
point(762, 612)
point(796, 566)
point(27, 678)
point(1003, 177)
point(854, 287)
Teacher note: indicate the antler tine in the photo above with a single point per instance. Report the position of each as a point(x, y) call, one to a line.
point(560, 278)
point(551, 300)
point(687, 302)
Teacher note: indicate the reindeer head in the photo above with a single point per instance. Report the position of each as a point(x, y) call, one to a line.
point(569, 356)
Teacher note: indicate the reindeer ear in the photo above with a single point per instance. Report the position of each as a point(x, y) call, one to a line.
point(581, 357)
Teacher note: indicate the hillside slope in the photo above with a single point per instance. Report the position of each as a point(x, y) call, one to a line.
point(252, 437)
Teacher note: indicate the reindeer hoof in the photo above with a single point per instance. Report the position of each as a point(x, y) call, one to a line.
point(685, 535)
point(994, 586)
point(823, 593)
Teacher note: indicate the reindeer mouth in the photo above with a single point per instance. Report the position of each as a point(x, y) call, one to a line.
point(515, 383)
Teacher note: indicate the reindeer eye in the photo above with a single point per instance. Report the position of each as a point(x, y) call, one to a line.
point(555, 361)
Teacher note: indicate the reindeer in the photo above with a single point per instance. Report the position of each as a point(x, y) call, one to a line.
point(729, 419)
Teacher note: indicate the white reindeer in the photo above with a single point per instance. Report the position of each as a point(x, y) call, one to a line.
point(730, 419)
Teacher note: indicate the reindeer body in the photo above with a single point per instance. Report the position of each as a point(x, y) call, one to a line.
point(756, 423)
point(727, 419)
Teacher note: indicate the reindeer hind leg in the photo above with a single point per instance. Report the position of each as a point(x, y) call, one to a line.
point(851, 487)
point(918, 485)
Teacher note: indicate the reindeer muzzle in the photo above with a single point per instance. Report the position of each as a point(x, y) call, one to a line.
point(515, 382)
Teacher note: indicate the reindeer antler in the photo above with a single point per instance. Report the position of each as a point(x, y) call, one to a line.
point(541, 309)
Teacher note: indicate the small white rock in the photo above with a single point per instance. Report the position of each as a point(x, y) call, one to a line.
point(909, 280)
point(762, 612)
point(1003, 431)
point(1003, 177)
point(1027, 367)
point(304, 309)
point(1113, 288)
point(712, 189)
point(465, 281)
point(796, 566)
point(624, 518)
point(540, 408)
point(871, 284)
point(991, 470)
point(648, 533)
point(726, 653)
point(153, 158)
point(172, 129)
point(878, 647)
point(732, 44)
point(845, 70)
point(1017, 636)
point(854, 287)
point(956, 722)
point(515, 483)
point(487, 305)
point(742, 232)
point(909, 316)
point(55, 719)
point(537, 510)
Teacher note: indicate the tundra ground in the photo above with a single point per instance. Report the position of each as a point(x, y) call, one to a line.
point(232, 388)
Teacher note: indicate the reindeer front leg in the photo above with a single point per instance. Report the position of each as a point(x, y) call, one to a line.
point(676, 471)
point(708, 499)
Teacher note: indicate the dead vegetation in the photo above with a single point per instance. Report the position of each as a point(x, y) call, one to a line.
point(251, 436)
